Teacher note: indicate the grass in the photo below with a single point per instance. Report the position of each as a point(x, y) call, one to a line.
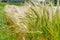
point(5, 31)
point(41, 24)
point(17, 4)
point(13, 3)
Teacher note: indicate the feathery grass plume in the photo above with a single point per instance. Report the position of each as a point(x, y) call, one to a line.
point(42, 22)
point(13, 15)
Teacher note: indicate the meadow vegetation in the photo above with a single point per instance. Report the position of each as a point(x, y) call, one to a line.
point(41, 21)
point(5, 31)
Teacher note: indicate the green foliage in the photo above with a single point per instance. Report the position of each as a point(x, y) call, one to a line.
point(54, 2)
point(41, 23)
point(42, 26)
point(5, 31)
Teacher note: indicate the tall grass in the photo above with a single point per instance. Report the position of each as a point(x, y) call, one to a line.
point(5, 31)
point(42, 22)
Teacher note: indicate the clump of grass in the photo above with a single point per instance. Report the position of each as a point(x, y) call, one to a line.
point(42, 24)
point(5, 31)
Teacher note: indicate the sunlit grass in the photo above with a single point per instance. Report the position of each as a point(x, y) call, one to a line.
point(42, 24)
point(5, 31)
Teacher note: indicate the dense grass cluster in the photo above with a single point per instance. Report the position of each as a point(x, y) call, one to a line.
point(5, 31)
point(42, 22)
